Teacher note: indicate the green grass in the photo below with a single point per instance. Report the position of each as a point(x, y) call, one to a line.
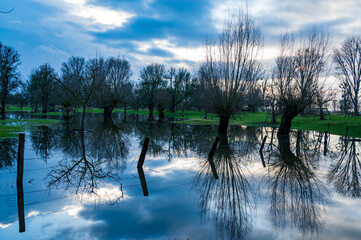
point(11, 127)
point(337, 125)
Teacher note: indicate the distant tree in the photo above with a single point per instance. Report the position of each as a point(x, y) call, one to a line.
point(41, 83)
point(230, 65)
point(9, 75)
point(79, 79)
point(348, 65)
point(151, 82)
point(297, 75)
point(114, 89)
point(180, 87)
point(324, 95)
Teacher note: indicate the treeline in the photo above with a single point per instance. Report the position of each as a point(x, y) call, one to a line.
point(230, 79)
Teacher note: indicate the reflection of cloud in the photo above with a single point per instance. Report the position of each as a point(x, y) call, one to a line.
point(94, 17)
point(5, 225)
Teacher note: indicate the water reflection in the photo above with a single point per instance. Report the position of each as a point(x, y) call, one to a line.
point(345, 174)
point(8, 152)
point(297, 195)
point(181, 181)
point(230, 198)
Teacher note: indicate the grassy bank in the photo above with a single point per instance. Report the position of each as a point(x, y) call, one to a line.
point(336, 125)
point(11, 127)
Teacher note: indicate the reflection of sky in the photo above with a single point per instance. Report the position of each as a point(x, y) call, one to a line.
point(170, 210)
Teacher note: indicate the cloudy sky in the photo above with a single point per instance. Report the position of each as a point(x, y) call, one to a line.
point(171, 32)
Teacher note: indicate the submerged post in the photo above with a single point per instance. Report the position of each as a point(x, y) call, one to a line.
point(325, 144)
point(263, 142)
point(214, 146)
point(143, 153)
point(19, 182)
point(210, 157)
point(143, 182)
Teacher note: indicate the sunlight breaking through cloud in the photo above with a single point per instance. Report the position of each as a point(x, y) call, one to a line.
point(94, 17)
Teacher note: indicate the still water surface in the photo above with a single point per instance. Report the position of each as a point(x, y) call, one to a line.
point(86, 185)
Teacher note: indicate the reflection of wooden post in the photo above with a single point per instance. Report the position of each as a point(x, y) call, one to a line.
point(263, 142)
point(210, 157)
point(325, 144)
point(213, 167)
point(19, 182)
point(143, 153)
point(213, 149)
point(143, 181)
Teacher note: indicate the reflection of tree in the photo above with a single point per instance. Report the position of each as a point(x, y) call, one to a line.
point(296, 191)
point(43, 140)
point(82, 172)
point(346, 173)
point(111, 142)
point(230, 197)
point(8, 152)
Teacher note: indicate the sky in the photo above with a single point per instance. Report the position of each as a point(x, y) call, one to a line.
point(171, 32)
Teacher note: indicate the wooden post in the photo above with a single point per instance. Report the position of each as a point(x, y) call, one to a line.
point(210, 157)
point(143, 182)
point(325, 144)
point(263, 142)
point(214, 146)
point(143, 153)
point(19, 182)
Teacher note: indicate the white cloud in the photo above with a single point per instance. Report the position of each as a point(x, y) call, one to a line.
point(92, 16)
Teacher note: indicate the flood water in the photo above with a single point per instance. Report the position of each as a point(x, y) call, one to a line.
point(86, 185)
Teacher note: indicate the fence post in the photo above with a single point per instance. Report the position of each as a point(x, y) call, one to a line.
point(19, 182)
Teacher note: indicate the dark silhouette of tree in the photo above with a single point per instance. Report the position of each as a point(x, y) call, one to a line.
point(346, 172)
point(41, 85)
point(348, 66)
point(151, 82)
point(297, 74)
point(43, 141)
point(230, 198)
point(297, 195)
point(8, 152)
point(230, 65)
point(115, 87)
point(9, 75)
point(79, 78)
point(180, 88)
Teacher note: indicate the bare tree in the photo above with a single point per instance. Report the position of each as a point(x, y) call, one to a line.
point(297, 74)
point(79, 79)
point(231, 64)
point(113, 90)
point(348, 62)
point(9, 75)
point(151, 82)
point(42, 83)
point(180, 87)
point(323, 97)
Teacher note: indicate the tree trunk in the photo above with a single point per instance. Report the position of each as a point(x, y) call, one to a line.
point(150, 118)
point(44, 107)
point(223, 123)
point(205, 115)
point(3, 110)
point(172, 108)
point(83, 118)
point(161, 113)
point(273, 114)
point(125, 111)
point(356, 107)
point(286, 121)
point(322, 114)
point(108, 112)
